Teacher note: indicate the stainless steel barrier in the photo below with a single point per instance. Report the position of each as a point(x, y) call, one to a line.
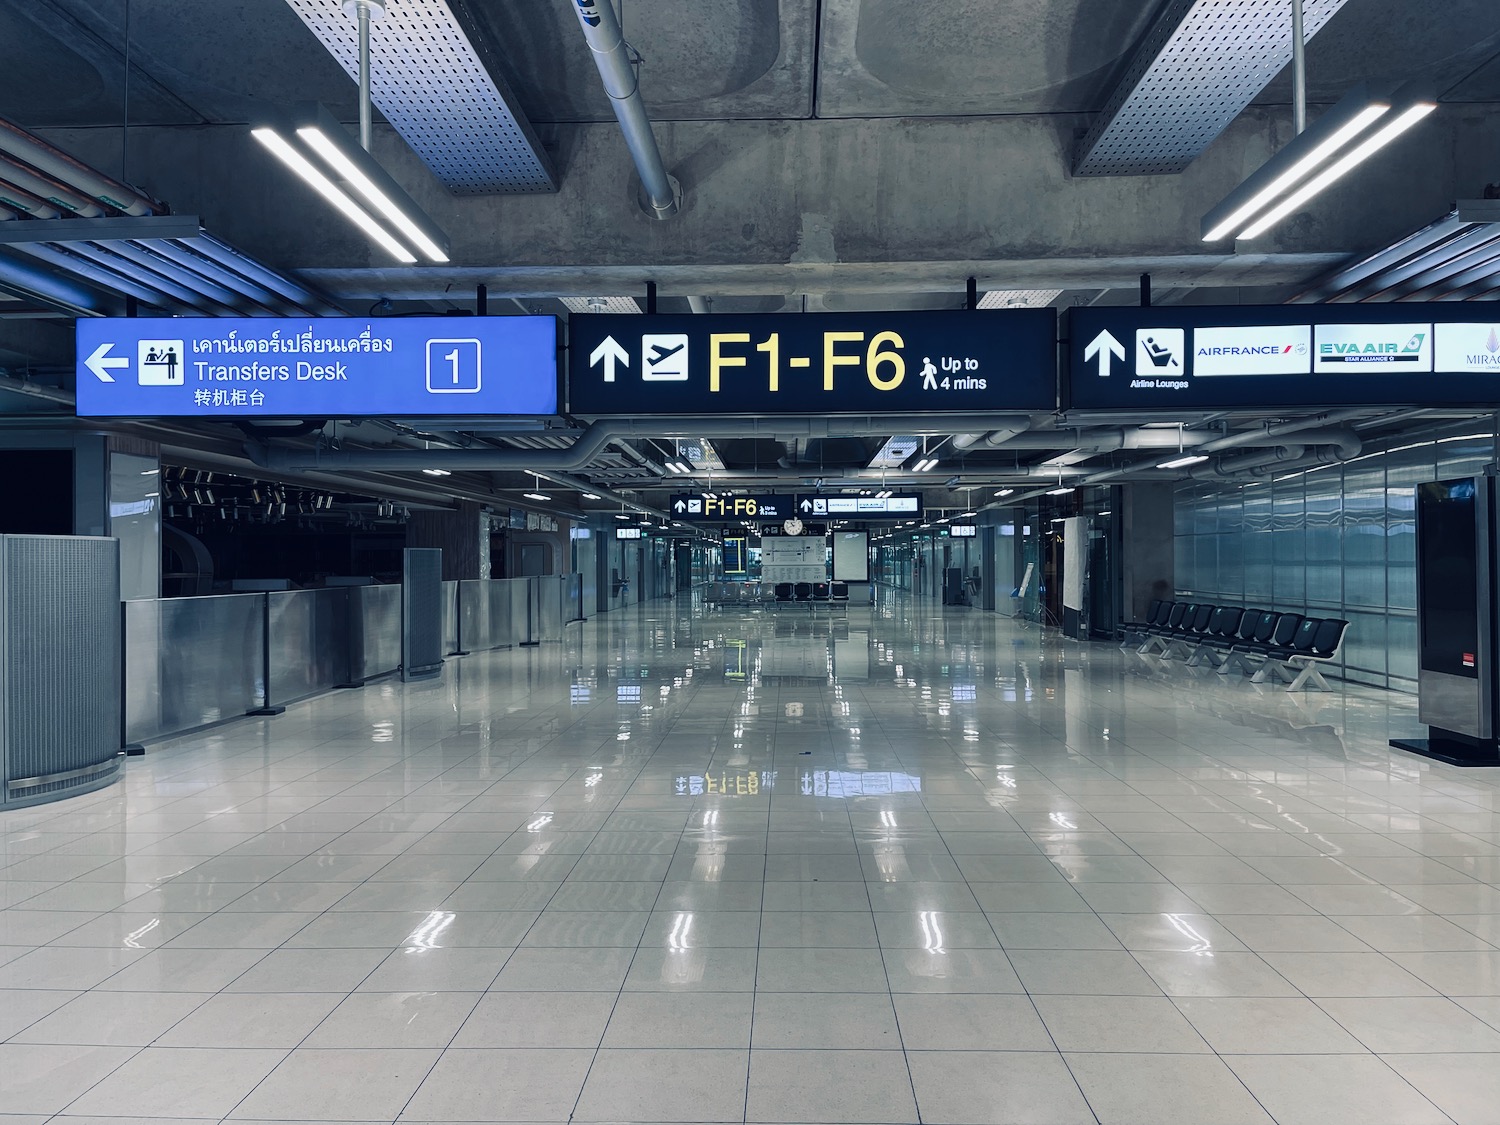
point(450, 619)
point(494, 613)
point(546, 595)
point(374, 631)
point(190, 662)
point(307, 646)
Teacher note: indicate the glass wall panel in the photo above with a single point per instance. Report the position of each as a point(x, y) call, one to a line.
point(1333, 541)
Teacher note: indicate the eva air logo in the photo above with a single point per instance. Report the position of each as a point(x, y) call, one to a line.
point(1414, 345)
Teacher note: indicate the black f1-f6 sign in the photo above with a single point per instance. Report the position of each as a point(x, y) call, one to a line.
point(831, 363)
point(712, 509)
point(1282, 355)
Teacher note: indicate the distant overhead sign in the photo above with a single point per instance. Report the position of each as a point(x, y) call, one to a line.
point(854, 363)
point(328, 367)
point(1282, 355)
point(694, 506)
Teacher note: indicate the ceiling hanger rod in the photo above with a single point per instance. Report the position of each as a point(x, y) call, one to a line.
point(1299, 70)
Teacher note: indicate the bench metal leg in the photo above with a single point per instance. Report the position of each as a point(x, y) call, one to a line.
point(1205, 654)
point(1273, 670)
point(1233, 659)
point(1309, 674)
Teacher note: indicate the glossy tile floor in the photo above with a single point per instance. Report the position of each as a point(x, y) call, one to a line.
point(902, 865)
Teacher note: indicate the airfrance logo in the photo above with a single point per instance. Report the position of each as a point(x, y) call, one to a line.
point(1253, 350)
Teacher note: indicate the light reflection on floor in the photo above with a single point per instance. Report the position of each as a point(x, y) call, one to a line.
point(776, 867)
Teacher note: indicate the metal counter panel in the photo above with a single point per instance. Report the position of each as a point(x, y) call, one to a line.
point(450, 618)
point(61, 674)
point(515, 598)
point(549, 608)
point(308, 649)
point(374, 630)
point(210, 661)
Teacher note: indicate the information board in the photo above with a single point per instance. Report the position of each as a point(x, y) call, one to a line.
point(339, 367)
point(694, 506)
point(824, 363)
point(1185, 356)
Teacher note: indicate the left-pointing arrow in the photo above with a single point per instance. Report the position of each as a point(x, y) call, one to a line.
point(101, 362)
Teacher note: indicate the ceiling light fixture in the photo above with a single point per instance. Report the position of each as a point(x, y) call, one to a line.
point(1184, 461)
point(1062, 491)
point(1005, 492)
point(1341, 140)
point(536, 496)
point(590, 496)
point(317, 148)
point(437, 472)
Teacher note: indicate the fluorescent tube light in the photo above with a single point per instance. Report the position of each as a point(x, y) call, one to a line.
point(1340, 169)
point(589, 496)
point(330, 191)
point(1338, 142)
point(1183, 462)
point(329, 151)
point(1299, 168)
point(536, 496)
point(437, 472)
point(1005, 492)
point(1063, 491)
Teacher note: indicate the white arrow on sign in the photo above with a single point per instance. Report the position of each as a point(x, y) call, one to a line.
point(679, 507)
point(1104, 346)
point(806, 505)
point(101, 361)
point(611, 352)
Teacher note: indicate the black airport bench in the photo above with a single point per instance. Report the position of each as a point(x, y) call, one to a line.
point(1284, 647)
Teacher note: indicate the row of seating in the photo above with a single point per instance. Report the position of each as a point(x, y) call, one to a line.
point(813, 593)
point(780, 594)
point(1265, 643)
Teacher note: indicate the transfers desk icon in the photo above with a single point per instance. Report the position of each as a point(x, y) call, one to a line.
point(158, 363)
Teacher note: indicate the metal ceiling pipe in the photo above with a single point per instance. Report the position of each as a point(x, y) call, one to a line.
point(1106, 439)
point(77, 175)
point(1277, 429)
point(996, 437)
point(1233, 466)
point(591, 442)
point(59, 195)
point(607, 44)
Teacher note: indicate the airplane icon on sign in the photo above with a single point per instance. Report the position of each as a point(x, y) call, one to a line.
point(664, 358)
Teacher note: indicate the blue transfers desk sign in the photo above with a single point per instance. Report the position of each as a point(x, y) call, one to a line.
point(332, 367)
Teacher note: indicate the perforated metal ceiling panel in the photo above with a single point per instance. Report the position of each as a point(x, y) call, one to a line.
point(431, 84)
point(1199, 67)
point(1019, 298)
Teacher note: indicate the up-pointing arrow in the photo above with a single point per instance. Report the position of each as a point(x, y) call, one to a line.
point(610, 352)
point(806, 505)
point(1103, 347)
point(679, 507)
point(101, 361)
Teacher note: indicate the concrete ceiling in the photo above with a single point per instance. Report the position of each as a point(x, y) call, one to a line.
point(834, 154)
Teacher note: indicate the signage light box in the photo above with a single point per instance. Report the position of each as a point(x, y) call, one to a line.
point(330, 367)
point(1195, 357)
point(828, 363)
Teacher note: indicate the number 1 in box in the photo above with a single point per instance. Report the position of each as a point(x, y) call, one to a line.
point(453, 367)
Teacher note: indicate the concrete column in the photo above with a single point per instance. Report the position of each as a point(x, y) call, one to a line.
point(463, 535)
point(1147, 546)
